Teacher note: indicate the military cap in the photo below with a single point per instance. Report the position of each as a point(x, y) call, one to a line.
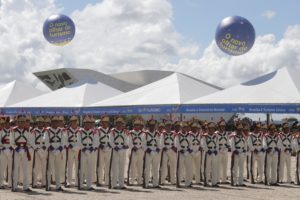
point(184, 124)
point(272, 126)
point(152, 122)
point(105, 119)
point(73, 118)
point(168, 122)
point(177, 123)
point(222, 123)
point(161, 124)
point(138, 121)
point(47, 120)
point(21, 118)
point(264, 126)
point(55, 118)
point(2, 121)
point(120, 119)
point(211, 125)
point(88, 119)
point(195, 125)
point(39, 119)
point(61, 118)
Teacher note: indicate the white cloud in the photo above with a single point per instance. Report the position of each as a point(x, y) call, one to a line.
point(267, 55)
point(269, 14)
point(23, 49)
point(115, 36)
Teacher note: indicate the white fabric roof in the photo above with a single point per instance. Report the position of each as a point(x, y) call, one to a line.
point(279, 87)
point(76, 95)
point(17, 91)
point(173, 89)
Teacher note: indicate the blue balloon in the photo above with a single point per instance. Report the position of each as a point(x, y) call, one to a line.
point(59, 29)
point(235, 35)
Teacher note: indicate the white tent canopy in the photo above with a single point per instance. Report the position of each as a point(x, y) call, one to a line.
point(175, 89)
point(279, 87)
point(17, 91)
point(76, 95)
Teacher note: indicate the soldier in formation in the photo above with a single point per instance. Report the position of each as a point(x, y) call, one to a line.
point(50, 151)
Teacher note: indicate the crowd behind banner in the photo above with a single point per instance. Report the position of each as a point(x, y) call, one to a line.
point(47, 152)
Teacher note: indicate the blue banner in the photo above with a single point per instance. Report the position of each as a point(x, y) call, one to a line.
point(241, 108)
point(163, 109)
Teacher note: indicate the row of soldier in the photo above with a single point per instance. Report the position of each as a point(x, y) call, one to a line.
point(184, 152)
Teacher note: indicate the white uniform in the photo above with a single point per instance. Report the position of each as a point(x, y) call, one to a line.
point(285, 156)
point(103, 156)
point(224, 146)
point(151, 158)
point(169, 156)
point(296, 144)
point(238, 145)
point(210, 145)
point(196, 155)
point(135, 141)
point(5, 155)
point(88, 142)
point(72, 151)
point(119, 142)
point(255, 144)
point(21, 140)
point(184, 147)
point(272, 145)
point(55, 140)
point(40, 156)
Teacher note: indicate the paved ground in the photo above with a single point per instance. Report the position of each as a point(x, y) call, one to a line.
point(225, 192)
point(253, 192)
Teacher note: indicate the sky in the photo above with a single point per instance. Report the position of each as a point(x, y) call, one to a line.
point(125, 35)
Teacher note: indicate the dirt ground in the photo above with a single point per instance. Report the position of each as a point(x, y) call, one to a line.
point(224, 192)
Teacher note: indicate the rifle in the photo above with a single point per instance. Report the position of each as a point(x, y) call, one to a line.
point(144, 166)
point(97, 166)
point(160, 166)
point(110, 166)
point(297, 168)
point(13, 189)
point(79, 169)
point(27, 153)
point(200, 154)
point(266, 173)
point(47, 171)
point(251, 168)
point(129, 166)
point(33, 168)
point(201, 170)
point(231, 167)
point(178, 171)
point(66, 167)
point(247, 166)
point(278, 166)
point(6, 172)
point(205, 160)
